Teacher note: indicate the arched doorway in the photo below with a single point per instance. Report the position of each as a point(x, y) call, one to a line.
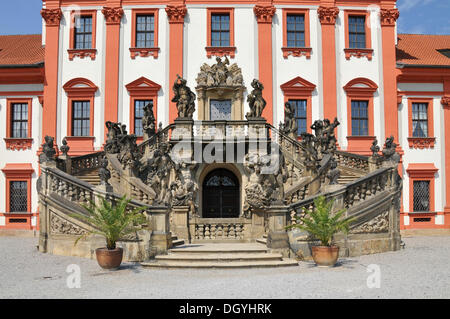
point(221, 194)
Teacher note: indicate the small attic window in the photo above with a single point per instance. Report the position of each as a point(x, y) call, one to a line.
point(445, 52)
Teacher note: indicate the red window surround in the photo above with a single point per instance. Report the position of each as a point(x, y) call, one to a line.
point(220, 51)
point(16, 144)
point(300, 89)
point(359, 52)
point(296, 51)
point(144, 52)
point(82, 53)
point(18, 172)
point(360, 89)
point(421, 142)
point(422, 172)
point(142, 89)
point(80, 89)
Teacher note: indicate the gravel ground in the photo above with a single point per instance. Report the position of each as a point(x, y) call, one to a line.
point(421, 270)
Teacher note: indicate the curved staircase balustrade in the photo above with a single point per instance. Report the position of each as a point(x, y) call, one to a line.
point(351, 195)
point(161, 136)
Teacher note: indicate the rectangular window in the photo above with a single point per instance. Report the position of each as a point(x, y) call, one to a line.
point(18, 196)
point(145, 31)
point(81, 118)
point(360, 118)
point(220, 30)
point(139, 114)
point(19, 120)
point(300, 115)
point(421, 196)
point(295, 26)
point(83, 32)
point(420, 119)
point(357, 32)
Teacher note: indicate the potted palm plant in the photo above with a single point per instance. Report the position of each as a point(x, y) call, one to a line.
point(322, 224)
point(112, 221)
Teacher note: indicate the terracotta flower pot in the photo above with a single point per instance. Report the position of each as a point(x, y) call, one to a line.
point(109, 258)
point(325, 256)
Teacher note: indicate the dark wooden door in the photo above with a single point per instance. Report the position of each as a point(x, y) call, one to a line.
point(221, 195)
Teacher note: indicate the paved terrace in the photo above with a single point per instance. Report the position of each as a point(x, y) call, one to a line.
point(421, 270)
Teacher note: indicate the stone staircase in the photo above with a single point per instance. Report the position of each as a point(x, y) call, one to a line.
point(216, 255)
point(90, 177)
point(346, 178)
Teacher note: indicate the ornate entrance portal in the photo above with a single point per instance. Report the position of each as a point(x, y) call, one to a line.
point(221, 195)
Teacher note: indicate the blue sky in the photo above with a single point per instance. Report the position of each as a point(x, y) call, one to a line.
point(416, 16)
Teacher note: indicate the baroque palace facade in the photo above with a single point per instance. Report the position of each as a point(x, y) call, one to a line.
point(104, 60)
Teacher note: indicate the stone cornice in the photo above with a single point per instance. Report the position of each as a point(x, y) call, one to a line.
point(264, 14)
point(176, 13)
point(388, 17)
point(328, 15)
point(52, 17)
point(112, 15)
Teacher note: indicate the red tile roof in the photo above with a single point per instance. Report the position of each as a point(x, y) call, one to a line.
point(21, 49)
point(422, 49)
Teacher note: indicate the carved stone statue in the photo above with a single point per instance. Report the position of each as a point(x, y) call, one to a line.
point(148, 121)
point(390, 156)
point(184, 98)
point(104, 172)
point(48, 150)
point(256, 101)
point(289, 127)
point(220, 74)
point(64, 147)
point(160, 168)
point(334, 173)
point(375, 148)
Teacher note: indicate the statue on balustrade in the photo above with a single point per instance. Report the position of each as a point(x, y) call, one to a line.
point(129, 154)
point(160, 167)
point(148, 121)
point(256, 101)
point(48, 150)
point(104, 172)
point(184, 98)
point(334, 173)
point(64, 147)
point(289, 127)
point(390, 155)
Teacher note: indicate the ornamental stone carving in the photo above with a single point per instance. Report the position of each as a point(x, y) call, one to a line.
point(184, 98)
point(48, 150)
point(220, 74)
point(104, 172)
point(328, 15)
point(148, 121)
point(379, 224)
point(264, 14)
point(256, 101)
point(390, 156)
point(388, 17)
point(289, 127)
point(64, 147)
point(334, 173)
point(176, 13)
point(59, 225)
point(52, 17)
point(112, 15)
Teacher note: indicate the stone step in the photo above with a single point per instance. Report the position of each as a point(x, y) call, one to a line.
point(218, 257)
point(177, 242)
point(262, 241)
point(219, 249)
point(285, 262)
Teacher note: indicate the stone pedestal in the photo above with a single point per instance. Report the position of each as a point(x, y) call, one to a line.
point(158, 221)
point(180, 222)
point(277, 239)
